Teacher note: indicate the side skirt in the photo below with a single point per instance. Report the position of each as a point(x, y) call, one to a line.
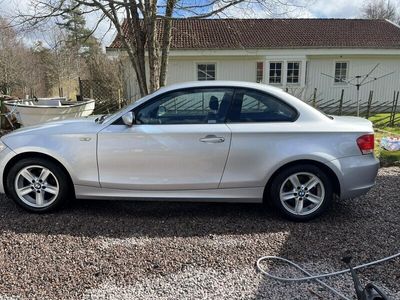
point(239, 195)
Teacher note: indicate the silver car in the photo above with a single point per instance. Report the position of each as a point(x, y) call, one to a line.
point(208, 141)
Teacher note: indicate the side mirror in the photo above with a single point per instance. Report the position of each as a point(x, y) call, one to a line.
point(128, 119)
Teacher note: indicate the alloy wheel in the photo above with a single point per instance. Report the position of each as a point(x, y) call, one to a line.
point(302, 193)
point(37, 186)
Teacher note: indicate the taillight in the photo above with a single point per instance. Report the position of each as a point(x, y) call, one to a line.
point(366, 143)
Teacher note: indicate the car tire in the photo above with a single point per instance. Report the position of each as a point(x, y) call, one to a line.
point(38, 185)
point(301, 192)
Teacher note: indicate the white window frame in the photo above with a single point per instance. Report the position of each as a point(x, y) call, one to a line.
point(282, 72)
point(287, 70)
point(334, 71)
point(206, 63)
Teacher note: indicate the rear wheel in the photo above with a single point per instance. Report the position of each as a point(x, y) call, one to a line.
point(301, 192)
point(38, 185)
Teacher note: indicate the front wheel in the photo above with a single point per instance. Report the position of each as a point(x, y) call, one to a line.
point(301, 192)
point(38, 185)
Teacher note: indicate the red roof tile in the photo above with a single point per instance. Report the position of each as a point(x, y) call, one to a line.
point(281, 33)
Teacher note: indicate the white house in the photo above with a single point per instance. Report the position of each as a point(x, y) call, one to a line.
point(298, 55)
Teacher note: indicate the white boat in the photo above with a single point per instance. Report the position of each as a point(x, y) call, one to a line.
point(41, 110)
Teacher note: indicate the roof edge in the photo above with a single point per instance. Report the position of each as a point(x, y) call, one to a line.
point(393, 23)
point(267, 49)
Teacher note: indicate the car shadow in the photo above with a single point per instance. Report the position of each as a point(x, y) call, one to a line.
point(125, 219)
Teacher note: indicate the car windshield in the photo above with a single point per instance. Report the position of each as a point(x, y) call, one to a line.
point(102, 118)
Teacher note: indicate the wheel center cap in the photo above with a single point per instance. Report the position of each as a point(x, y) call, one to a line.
point(301, 193)
point(37, 186)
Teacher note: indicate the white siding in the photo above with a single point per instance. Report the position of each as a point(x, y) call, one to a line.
point(243, 68)
point(131, 87)
point(185, 69)
point(180, 71)
point(239, 68)
point(326, 89)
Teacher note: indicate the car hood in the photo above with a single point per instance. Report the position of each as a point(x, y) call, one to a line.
point(70, 126)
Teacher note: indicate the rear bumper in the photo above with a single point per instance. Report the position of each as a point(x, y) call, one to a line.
point(356, 174)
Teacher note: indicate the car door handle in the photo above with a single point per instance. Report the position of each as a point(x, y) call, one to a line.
point(212, 139)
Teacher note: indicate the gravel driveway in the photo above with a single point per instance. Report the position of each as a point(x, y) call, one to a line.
point(128, 250)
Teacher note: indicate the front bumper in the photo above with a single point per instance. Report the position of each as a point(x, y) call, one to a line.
point(356, 174)
point(5, 157)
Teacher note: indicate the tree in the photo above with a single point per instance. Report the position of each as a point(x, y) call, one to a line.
point(43, 69)
point(147, 33)
point(73, 22)
point(380, 9)
point(11, 63)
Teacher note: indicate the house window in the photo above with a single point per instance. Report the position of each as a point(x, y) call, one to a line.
point(260, 72)
point(293, 72)
point(206, 72)
point(341, 72)
point(275, 72)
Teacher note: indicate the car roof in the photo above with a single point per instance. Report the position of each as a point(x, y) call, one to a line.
point(224, 83)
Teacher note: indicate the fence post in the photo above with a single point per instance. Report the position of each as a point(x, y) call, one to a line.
point(119, 98)
point(60, 92)
point(80, 87)
point(91, 93)
point(315, 98)
point(371, 94)
point(341, 102)
point(3, 118)
point(394, 109)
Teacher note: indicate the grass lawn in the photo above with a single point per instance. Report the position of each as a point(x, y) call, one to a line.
point(378, 119)
point(387, 158)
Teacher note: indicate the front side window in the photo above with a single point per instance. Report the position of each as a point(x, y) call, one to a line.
point(293, 72)
point(193, 106)
point(205, 72)
point(275, 72)
point(256, 106)
point(341, 72)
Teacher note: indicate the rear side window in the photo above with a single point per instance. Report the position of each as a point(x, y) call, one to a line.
point(255, 106)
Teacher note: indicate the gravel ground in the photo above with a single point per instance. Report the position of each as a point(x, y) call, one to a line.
point(128, 250)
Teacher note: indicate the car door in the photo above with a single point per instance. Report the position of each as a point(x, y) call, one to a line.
point(179, 142)
point(261, 126)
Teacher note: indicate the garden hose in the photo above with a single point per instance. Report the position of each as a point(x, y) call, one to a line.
point(318, 276)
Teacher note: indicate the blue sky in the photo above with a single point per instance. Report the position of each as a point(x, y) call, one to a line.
point(309, 9)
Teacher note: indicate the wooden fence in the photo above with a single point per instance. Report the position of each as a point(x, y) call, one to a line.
point(367, 107)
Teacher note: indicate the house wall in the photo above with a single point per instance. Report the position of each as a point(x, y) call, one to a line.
point(243, 67)
point(231, 68)
point(181, 69)
point(383, 88)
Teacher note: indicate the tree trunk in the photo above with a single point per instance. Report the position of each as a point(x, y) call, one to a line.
point(166, 41)
point(138, 43)
point(150, 20)
point(133, 45)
